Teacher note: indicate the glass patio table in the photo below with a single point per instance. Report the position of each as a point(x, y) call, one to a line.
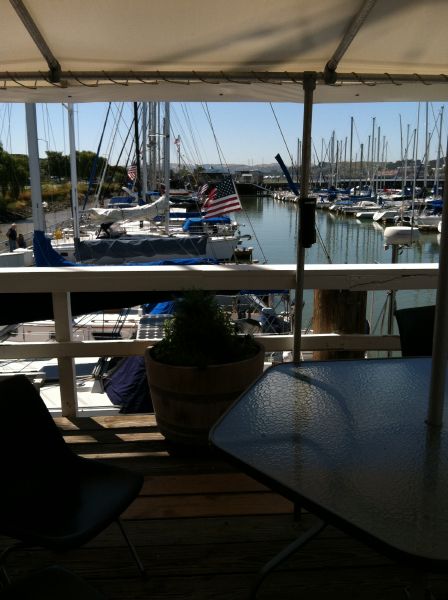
point(347, 440)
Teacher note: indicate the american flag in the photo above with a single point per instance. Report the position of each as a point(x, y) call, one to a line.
point(223, 198)
point(177, 141)
point(132, 172)
point(203, 189)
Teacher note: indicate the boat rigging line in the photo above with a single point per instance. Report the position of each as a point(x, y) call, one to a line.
point(281, 133)
point(218, 147)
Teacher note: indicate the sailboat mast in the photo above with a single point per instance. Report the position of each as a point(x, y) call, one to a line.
point(137, 153)
point(33, 160)
point(425, 169)
point(436, 179)
point(144, 183)
point(405, 173)
point(351, 154)
point(332, 157)
point(153, 143)
point(361, 167)
point(166, 162)
point(73, 171)
point(372, 156)
point(377, 164)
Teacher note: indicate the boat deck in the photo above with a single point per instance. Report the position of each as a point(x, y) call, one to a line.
point(203, 529)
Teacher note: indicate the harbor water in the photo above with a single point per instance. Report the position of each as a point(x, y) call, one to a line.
point(340, 240)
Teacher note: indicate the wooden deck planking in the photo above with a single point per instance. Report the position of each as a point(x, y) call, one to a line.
point(203, 530)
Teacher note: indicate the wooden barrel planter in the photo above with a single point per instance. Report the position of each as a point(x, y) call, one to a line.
point(188, 401)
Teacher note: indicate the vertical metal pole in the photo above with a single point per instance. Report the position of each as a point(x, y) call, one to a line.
point(351, 154)
point(166, 162)
point(425, 171)
point(138, 181)
point(153, 144)
point(33, 159)
point(309, 85)
point(392, 296)
point(437, 178)
point(73, 171)
point(440, 340)
point(144, 153)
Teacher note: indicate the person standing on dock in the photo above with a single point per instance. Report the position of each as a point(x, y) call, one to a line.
point(11, 234)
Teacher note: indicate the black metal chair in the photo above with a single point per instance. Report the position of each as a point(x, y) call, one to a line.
point(51, 497)
point(51, 583)
point(416, 329)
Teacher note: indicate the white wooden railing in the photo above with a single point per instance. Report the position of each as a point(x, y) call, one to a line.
point(61, 281)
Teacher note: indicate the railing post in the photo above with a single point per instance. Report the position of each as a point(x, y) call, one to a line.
point(339, 311)
point(67, 372)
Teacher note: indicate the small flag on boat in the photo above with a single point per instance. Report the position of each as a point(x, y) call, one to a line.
point(177, 141)
point(132, 172)
point(223, 198)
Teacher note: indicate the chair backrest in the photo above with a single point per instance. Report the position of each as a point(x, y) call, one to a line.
point(416, 329)
point(34, 458)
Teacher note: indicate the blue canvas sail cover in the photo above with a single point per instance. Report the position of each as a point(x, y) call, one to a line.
point(119, 251)
point(44, 253)
point(193, 222)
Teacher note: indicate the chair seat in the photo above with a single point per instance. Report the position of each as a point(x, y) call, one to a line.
point(52, 583)
point(98, 495)
point(51, 497)
point(416, 329)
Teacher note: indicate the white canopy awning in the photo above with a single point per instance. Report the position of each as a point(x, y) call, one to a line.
point(256, 50)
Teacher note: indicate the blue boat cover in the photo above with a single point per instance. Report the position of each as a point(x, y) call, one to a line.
point(159, 308)
point(125, 200)
point(46, 256)
point(44, 253)
point(127, 386)
point(121, 251)
point(193, 222)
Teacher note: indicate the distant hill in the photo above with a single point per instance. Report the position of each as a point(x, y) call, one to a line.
point(265, 168)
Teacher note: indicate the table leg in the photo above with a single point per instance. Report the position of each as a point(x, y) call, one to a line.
point(306, 537)
point(419, 588)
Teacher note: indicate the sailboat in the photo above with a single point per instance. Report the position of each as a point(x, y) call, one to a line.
point(154, 231)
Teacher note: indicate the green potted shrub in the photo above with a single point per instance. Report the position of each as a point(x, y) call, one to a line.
point(199, 368)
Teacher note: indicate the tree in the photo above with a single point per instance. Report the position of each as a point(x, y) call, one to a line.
point(14, 174)
point(84, 163)
point(57, 164)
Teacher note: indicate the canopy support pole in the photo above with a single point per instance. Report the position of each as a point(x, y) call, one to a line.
point(440, 339)
point(309, 85)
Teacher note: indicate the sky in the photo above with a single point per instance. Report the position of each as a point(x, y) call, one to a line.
point(229, 133)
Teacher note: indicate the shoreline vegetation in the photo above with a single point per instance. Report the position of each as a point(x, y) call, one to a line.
point(57, 196)
point(15, 191)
